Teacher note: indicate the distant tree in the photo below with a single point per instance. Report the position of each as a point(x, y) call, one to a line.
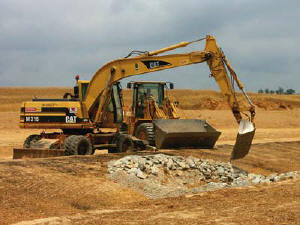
point(267, 91)
point(280, 91)
point(260, 91)
point(290, 91)
point(272, 91)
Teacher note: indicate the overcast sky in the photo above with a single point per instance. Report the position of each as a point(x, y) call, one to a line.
point(46, 43)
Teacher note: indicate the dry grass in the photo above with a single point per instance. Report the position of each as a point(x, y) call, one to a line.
point(12, 97)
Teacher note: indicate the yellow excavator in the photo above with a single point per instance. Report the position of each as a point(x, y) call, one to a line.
point(97, 105)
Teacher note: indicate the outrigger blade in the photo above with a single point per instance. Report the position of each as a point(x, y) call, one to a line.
point(244, 140)
point(184, 133)
point(20, 153)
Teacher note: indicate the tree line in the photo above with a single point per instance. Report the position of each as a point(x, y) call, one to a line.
point(279, 91)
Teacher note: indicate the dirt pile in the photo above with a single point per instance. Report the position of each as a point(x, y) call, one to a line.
point(160, 175)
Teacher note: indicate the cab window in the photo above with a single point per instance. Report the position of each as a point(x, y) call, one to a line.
point(84, 87)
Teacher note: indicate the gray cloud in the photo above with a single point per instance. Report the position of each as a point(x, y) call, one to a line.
point(48, 42)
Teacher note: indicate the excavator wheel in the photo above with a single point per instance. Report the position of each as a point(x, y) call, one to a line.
point(78, 145)
point(124, 128)
point(125, 143)
point(114, 141)
point(145, 131)
point(31, 139)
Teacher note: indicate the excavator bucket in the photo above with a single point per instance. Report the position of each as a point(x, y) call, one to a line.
point(244, 140)
point(184, 133)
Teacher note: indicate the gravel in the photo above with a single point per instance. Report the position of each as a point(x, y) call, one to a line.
point(161, 176)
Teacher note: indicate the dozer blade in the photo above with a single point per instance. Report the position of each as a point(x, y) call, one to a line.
point(244, 140)
point(20, 153)
point(43, 148)
point(184, 133)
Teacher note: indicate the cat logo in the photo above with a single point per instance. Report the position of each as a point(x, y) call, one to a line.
point(71, 119)
point(152, 64)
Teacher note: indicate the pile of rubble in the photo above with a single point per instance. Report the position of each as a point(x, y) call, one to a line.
point(162, 175)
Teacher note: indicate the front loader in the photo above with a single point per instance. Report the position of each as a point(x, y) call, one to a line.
point(153, 117)
point(92, 117)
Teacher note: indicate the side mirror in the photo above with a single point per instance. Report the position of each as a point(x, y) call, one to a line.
point(129, 85)
point(171, 86)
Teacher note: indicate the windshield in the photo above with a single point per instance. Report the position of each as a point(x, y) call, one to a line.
point(150, 90)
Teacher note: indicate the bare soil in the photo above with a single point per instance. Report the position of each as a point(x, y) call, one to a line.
point(75, 190)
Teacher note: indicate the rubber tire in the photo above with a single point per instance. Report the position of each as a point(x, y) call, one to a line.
point(30, 139)
point(148, 129)
point(125, 143)
point(73, 143)
point(124, 128)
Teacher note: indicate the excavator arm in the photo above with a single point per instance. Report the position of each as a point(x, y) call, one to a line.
point(99, 90)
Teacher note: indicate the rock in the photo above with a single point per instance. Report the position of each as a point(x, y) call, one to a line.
point(196, 190)
point(266, 181)
point(290, 175)
point(190, 162)
point(149, 162)
point(258, 179)
point(140, 174)
point(125, 159)
point(141, 164)
point(155, 161)
point(154, 170)
point(273, 177)
point(251, 176)
point(220, 170)
point(132, 171)
point(224, 179)
point(170, 164)
point(174, 173)
point(240, 182)
point(117, 163)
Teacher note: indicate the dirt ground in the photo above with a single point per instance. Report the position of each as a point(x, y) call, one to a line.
point(75, 190)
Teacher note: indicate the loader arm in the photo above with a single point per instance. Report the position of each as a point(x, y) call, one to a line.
point(99, 90)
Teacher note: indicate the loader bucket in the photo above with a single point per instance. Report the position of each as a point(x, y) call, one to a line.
point(184, 133)
point(244, 140)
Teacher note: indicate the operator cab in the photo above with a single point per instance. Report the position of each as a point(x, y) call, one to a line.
point(80, 90)
point(145, 90)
